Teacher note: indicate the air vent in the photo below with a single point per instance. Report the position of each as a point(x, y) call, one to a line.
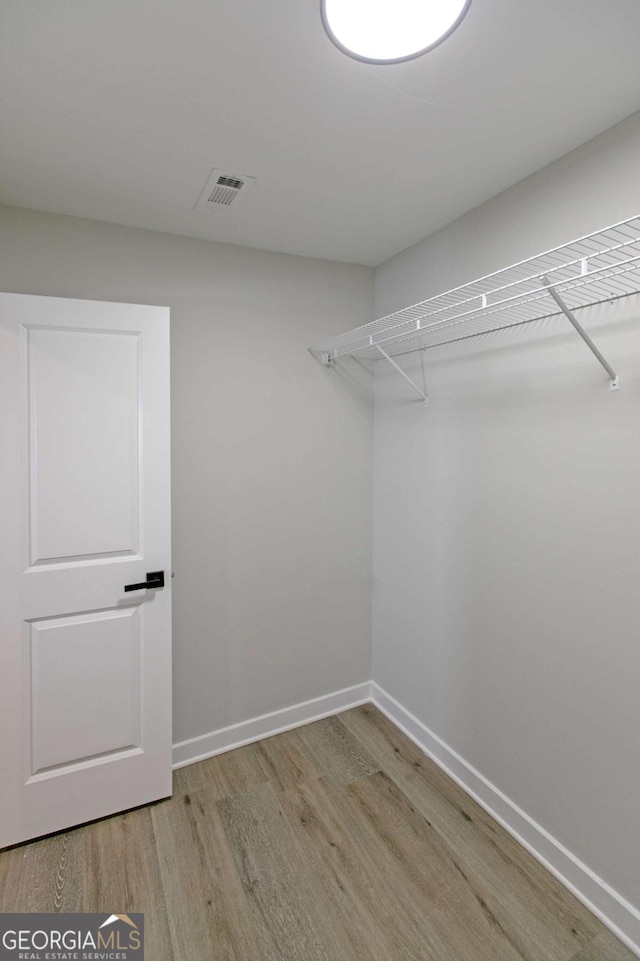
point(223, 190)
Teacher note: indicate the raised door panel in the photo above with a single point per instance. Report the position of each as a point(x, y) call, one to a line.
point(85, 688)
point(84, 444)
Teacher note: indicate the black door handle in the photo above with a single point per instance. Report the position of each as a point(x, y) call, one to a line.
point(155, 579)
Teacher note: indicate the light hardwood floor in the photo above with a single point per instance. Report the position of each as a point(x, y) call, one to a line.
point(338, 841)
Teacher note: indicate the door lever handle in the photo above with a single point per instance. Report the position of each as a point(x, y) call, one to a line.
point(154, 579)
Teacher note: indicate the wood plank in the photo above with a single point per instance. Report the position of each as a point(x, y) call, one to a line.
point(292, 914)
point(282, 760)
point(426, 899)
point(539, 915)
point(287, 760)
point(364, 901)
point(209, 916)
point(606, 947)
point(44, 876)
point(121, 875)
point(337, 753)
point(223, 775)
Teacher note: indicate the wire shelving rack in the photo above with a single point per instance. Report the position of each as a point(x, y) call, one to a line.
point(594, 269)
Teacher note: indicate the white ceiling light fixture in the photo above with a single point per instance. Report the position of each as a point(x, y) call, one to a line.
point(390, 31)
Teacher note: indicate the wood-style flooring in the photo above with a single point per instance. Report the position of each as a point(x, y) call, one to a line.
point(338, 841)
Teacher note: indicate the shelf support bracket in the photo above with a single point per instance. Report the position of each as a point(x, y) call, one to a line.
point(614, 383)
point(402, 374)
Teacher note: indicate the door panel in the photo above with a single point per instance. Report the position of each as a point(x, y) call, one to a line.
point(83, 396)
point(85, 687)
point(85, 712)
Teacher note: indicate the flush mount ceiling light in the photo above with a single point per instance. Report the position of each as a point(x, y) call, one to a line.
point(390, 31)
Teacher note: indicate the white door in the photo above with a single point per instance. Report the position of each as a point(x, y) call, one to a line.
point(85, 666)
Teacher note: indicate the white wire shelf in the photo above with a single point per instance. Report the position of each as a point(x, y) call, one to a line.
point(600, 267)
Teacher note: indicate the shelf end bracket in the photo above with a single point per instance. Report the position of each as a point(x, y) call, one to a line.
point(402, 374)
point(614, 380)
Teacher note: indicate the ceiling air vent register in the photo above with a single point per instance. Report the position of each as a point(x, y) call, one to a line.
point(224, 190)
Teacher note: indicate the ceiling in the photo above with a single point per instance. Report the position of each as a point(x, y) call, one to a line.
point(117, 110)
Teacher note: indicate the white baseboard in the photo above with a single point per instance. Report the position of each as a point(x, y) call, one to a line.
point(621, 917)
point(237, 735)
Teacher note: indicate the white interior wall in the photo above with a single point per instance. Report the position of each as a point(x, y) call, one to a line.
point(507, 526)
point(271, 455)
